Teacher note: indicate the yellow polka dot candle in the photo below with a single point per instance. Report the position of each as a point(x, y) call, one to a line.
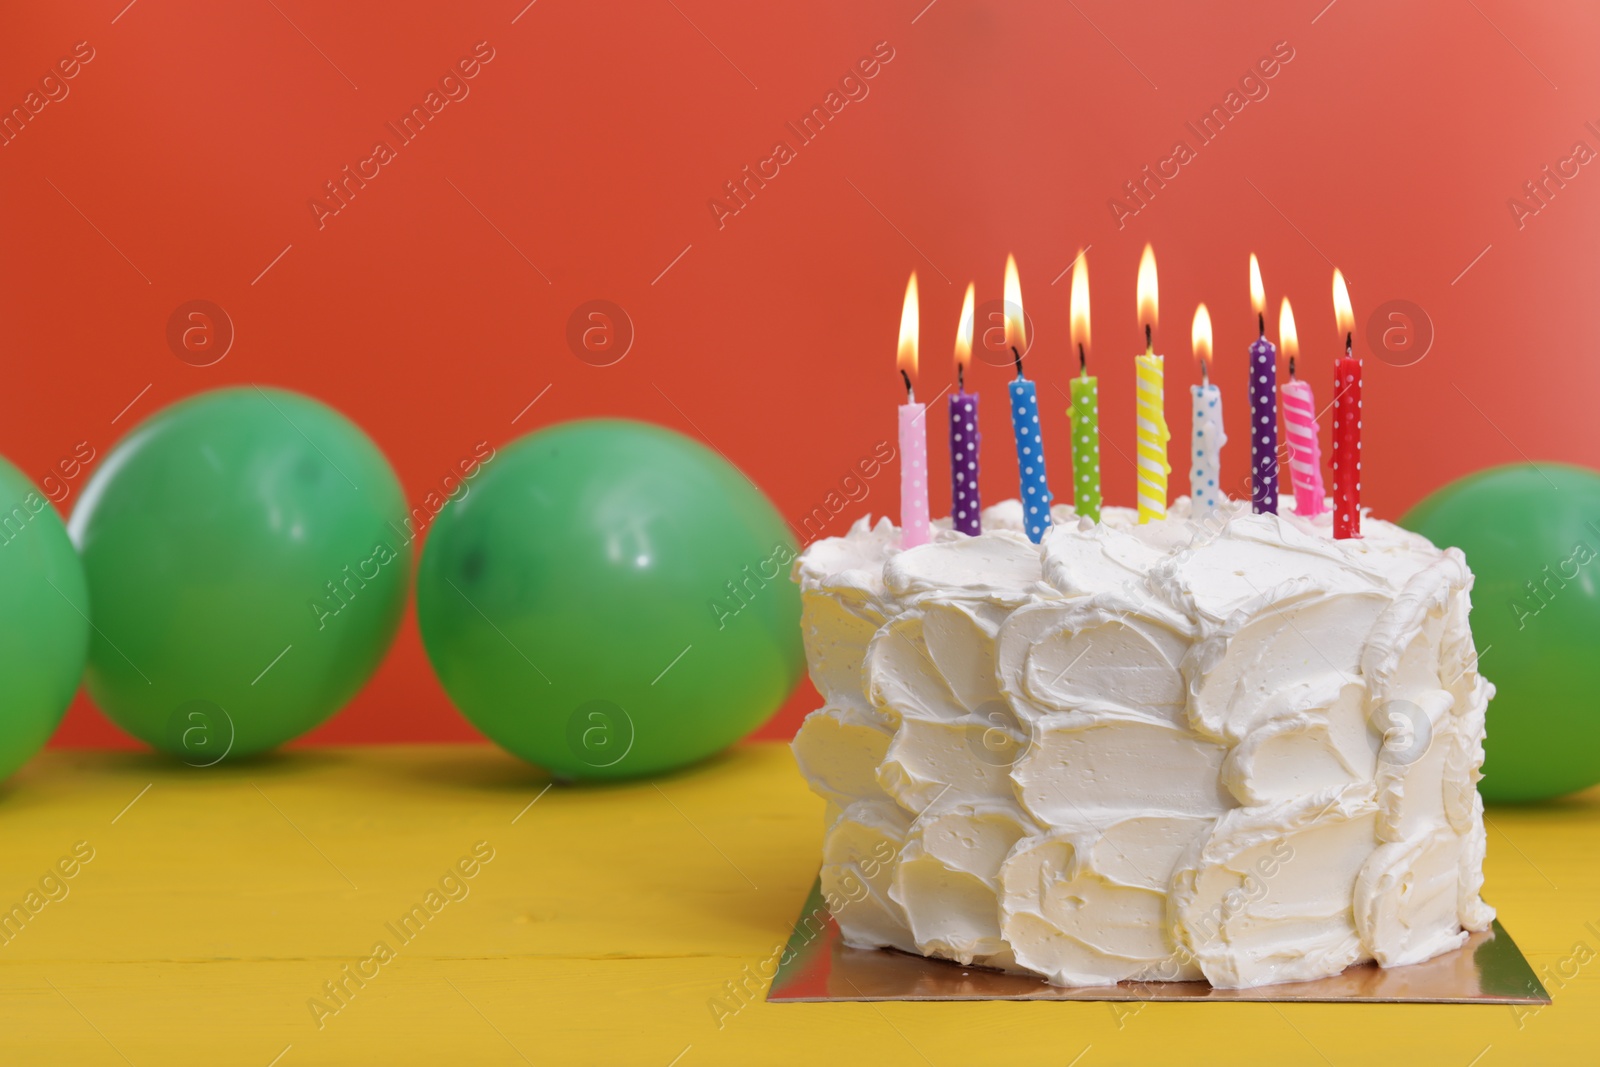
point(1150, 411)
point(1084, 415)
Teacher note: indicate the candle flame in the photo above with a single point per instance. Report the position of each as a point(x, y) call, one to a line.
point(1147, 288)
point(1288, 338)
point(1080, 302)
point(1016, 325)
point(1258, 292)
point(964, 331)
point(906, 356)
point(1342, 314)
point(1200, 335)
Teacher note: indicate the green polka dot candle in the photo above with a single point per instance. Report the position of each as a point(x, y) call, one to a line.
point(1084, 415)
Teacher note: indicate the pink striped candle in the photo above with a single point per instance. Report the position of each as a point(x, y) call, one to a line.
point(1305, 452)
point(1300, 422)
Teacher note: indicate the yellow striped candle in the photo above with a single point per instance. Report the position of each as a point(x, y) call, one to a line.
point(1152, 425)
point(1150, 412)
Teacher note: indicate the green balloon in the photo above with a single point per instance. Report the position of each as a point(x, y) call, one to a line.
point(247, 568)
point(1532, 539)
point(611, 599)
point(44, 629)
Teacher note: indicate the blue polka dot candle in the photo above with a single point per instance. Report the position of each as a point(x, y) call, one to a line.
point(1206, 436)
point(965, 503)
point(913, 432)
point(1263, 406)
point(1035, 487)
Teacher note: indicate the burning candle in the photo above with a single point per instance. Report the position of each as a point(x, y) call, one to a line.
point(1346, 421)
point(1025, 417)
point(913, 432)
point(1084, 415)
point(1263, 405)
point(965, 501)
point(1300, 424)
point(1205, 464)
point(1150, 412)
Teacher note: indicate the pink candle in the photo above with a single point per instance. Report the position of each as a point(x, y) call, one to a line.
point(913, 475)
point(913, 433)
point(1300, 422)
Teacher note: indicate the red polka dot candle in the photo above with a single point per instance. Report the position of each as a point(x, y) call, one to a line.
point(913, 432)
point(965, 503)
point(1346, 421)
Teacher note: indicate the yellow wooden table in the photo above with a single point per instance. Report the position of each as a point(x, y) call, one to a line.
point(234, 915)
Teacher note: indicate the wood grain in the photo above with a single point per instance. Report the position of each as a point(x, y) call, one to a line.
point(217, 905)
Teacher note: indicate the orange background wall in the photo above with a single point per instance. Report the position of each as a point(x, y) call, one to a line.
point(432, 307)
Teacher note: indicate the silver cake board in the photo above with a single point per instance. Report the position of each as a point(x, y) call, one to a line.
point(818, 966)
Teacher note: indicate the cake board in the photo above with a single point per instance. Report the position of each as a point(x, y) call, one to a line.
point(1488, 969)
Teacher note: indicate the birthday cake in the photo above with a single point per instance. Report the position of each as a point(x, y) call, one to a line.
point(1230, 747)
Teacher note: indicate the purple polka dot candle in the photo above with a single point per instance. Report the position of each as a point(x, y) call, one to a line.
point(1263, 406)
point(965, 503)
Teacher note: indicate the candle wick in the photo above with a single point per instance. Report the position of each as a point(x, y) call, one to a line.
point(961, 378)
point(1261, 323)
point(911, 396)
point(1083, 360)
point(1291, 368)
point(1149, 348)
point(1018, 357)
point(1349, 344)
point(1205, 377)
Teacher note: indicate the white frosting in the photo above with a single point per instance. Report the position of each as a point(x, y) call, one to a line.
point(1228, 747)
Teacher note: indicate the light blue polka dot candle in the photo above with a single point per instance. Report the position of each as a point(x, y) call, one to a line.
point(1206, 437)
point(1207, 448)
